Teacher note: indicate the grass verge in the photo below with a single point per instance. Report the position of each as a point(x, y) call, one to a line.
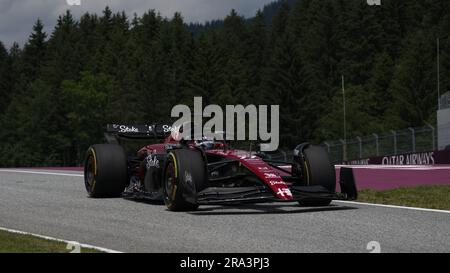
point(20, 243)
point(431, 197)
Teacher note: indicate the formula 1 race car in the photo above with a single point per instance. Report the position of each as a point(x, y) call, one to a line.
point(186, 174)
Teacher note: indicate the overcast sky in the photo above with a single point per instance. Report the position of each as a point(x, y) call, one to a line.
point(18, 16)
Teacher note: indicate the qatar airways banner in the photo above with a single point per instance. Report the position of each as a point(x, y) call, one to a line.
point(422, 158)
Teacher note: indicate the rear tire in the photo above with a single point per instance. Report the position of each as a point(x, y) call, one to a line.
point(105, 170)
point(318, 171)
point(184, 176)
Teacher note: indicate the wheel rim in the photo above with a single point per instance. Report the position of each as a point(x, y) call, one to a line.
point(89, 174)
point(170, 181)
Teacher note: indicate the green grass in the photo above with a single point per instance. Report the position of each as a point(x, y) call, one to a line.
point(19, 243)
point(432, 197)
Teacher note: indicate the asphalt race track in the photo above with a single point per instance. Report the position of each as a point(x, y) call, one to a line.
point(54, 203)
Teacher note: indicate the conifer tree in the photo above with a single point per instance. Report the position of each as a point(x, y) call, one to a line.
point(413, 87)
point(4, 81)
point(34, 52)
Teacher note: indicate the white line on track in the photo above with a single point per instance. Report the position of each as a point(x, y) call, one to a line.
point(36, 172)
point(392, 206)
point(347, 202)
point(59, 240)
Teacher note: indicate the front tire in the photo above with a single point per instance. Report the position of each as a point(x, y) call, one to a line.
point(317, 170)
point(184, 176)
point(105, 170)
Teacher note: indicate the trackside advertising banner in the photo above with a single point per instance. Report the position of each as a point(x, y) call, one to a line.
point(422, 158)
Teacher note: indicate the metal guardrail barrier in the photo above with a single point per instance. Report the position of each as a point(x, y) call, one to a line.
point(408, 140)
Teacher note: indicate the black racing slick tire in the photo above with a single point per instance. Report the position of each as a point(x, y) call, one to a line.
point(105, 170)
point(184, 176)
point(318, 171)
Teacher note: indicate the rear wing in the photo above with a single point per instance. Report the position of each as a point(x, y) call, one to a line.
point(114, 132)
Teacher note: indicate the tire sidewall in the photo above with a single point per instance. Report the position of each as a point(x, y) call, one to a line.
point(110, 171)
point(189, 176)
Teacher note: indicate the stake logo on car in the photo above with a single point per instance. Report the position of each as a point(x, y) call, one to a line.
point(152, 161)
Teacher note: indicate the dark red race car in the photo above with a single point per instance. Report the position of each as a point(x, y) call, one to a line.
point(186, 174)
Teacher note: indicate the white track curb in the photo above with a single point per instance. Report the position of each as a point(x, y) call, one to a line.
point(392, 206)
